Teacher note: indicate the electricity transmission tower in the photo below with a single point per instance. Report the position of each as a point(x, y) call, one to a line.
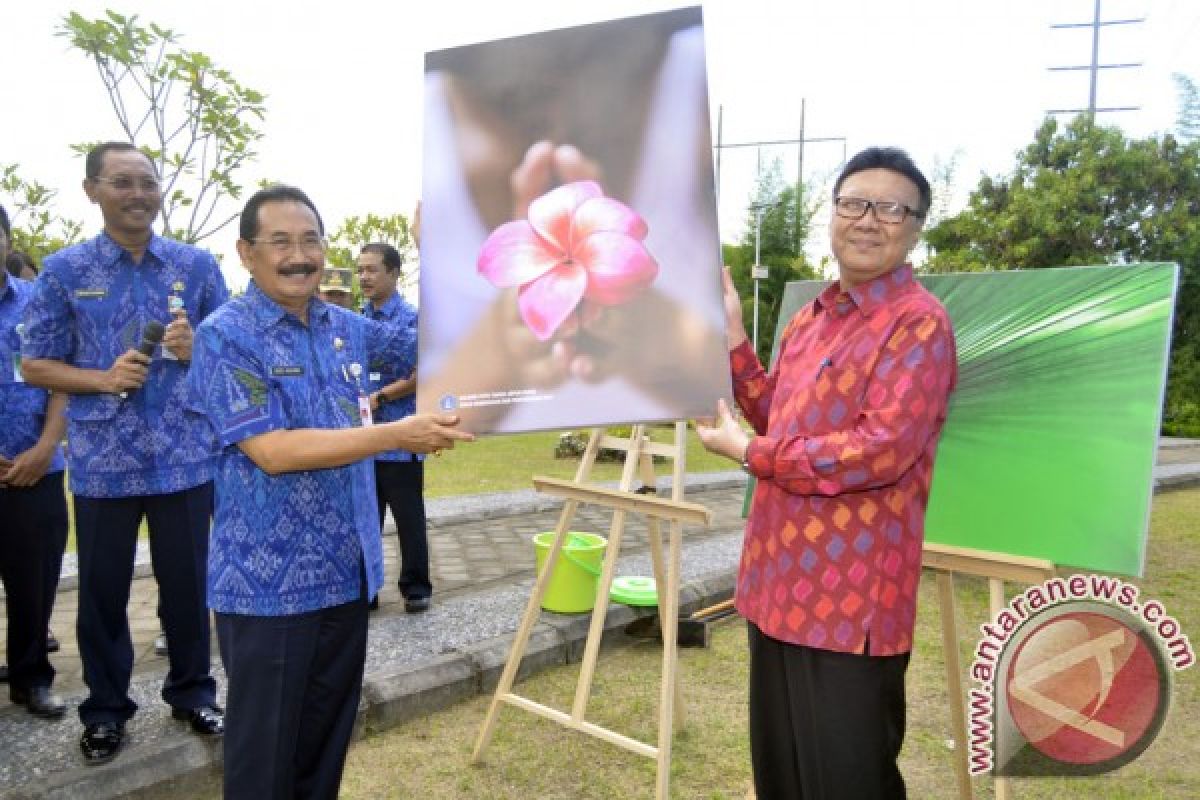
point(1095, 66)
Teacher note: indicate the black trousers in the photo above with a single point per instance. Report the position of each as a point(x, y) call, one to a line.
point(401, 485)
point(824, 725)
point(294, 686)
point(106, 531)
point(33, 534)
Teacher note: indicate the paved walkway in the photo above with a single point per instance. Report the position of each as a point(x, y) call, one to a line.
point(483, 568)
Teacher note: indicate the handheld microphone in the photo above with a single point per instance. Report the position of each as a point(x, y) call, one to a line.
point(152, 334)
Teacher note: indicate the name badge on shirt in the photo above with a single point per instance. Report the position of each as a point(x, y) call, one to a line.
point(91, 294)
point(376, 377)
point(287, 372)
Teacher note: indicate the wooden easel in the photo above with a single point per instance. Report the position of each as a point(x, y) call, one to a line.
point(945, 561)
point(639, 453)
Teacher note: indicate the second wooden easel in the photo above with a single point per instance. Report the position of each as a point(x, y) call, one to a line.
point(639, 455)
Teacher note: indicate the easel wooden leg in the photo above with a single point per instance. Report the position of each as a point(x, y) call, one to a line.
point(654, 534)
point(958, 713)
point(521, 639)
point(668, 606)
point(591, 650)
point(996, 603)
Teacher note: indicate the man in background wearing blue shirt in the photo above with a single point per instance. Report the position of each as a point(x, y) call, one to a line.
point(32, 504)
point(281, 378)
point(133, 452)
point(399, 474)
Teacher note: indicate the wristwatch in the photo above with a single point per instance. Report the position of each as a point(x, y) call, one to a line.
point(746, 457)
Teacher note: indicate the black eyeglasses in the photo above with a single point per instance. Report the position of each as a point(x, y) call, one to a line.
point(282, 245)
point(888, 211)
point(124, 183)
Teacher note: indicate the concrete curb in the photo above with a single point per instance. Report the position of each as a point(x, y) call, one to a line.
point(390, 698)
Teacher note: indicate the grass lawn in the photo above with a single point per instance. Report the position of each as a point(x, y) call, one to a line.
point(504, 463)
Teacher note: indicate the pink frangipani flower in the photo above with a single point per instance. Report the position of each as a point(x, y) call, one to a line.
point(577, 244)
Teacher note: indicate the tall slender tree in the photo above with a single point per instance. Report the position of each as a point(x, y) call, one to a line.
point(192, 118)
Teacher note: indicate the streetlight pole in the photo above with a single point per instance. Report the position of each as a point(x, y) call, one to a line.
point(758, 271)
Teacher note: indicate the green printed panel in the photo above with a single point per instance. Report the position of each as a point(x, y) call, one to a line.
point(1049, 446)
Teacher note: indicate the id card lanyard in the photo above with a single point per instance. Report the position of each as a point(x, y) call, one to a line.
point(353, 373)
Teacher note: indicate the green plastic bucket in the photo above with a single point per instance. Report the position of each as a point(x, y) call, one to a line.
point(572, 587)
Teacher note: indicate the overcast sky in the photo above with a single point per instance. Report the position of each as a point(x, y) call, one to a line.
point(343, 82)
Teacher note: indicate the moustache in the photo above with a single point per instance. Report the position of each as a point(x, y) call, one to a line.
point(297, 269)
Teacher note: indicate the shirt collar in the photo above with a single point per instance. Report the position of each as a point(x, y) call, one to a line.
point(111, 252)
point(873, 294)
point(389, 307)
point(267, 312)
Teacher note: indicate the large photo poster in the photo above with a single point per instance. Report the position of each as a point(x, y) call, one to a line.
point(1049, 445)
point(570, 262)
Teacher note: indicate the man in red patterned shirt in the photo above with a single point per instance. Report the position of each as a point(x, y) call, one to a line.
point(846, 427)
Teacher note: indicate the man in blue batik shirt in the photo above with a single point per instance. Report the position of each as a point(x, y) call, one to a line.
point(133, 451)
point(32, 504)
point(399, 474)
point(281, 378)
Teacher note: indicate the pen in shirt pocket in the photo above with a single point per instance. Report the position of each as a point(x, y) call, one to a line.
point(827, 361)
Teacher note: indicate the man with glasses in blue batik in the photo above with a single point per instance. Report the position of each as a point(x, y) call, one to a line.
point(134, 454)
point(281, 378)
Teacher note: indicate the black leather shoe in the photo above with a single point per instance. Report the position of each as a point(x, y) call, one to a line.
point(416, 604)
point(3, 673)
point(208, 720)
point(52, 645)
point(373, 603)
point(39, 701)
point(101, 742)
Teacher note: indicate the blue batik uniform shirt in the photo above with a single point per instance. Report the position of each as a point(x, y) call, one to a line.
point(91, 304)
point(294, 542)
point(395, 311)
point(22, 407)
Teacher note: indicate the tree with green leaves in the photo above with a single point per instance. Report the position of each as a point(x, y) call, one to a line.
point(1087, 194)
point(38, 230)
point(192, 118)
point(783, 229)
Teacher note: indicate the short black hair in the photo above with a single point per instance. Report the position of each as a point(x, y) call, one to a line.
point(891, 158)
point(278, 193)
point(95, 157)
point(18, 261)
point(392, 260)
point(5, 225)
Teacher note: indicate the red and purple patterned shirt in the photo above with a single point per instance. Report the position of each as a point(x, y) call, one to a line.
point(848, 424)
